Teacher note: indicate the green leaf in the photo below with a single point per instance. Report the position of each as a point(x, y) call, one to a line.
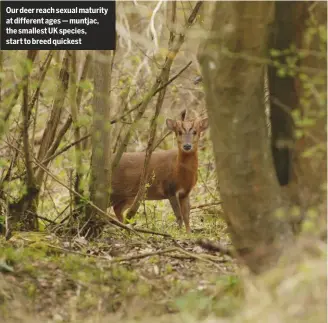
point(282, 72)
point(274, 52)
point(5, 268)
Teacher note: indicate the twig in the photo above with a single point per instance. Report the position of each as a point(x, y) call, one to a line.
point(168, 250)
point(59, 152)
point(173, 78)
point(44, 69)
point(214, 246)
point(162, 139)
point(153, 232)
point(116, 259)
point(205, 205)
point(143, 255)
point(75, 252)
point(25, 111)
point(198, 257)
point(61, 133)
point(45, 219)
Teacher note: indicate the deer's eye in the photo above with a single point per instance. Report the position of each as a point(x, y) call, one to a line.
point(194, 132)
point(180, 132)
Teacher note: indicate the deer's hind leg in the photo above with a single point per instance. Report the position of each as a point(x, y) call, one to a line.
point(120, 207)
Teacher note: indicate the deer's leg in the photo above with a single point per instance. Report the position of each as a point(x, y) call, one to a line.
point(119, 208)
point(175, 204)
point(185, 211)
point(118, 212)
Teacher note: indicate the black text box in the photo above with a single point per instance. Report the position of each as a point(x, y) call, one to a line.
point(46, 25)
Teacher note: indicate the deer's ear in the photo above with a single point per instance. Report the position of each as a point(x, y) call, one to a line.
point(203, 125)
point(171, 124)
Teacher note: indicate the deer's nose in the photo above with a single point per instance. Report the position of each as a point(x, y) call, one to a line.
point(187, 147)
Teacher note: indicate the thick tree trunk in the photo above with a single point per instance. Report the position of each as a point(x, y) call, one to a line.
point(101, 148)
point(302, 90)
point(311, 148)
point(22, 214)
point(233, 78)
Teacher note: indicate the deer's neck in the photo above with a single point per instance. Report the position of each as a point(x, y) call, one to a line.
point(186, 168)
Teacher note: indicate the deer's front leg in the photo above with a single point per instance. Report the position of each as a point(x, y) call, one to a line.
point(185, 211)
point(175, 204)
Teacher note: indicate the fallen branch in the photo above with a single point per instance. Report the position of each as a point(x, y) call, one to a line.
point(198, 257)
point(215, 246)
point(153, 232)
point(185, 253)
point(205, 205)
point(143, 255)
point(45, 219)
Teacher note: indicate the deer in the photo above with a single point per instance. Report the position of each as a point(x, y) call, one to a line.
point(172, 176)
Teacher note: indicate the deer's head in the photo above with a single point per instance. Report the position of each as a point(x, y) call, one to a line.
point(187, 131)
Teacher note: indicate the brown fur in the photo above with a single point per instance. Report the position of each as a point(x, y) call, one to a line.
point(172, 173)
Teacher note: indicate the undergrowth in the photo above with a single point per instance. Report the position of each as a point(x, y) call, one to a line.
point(49, 279)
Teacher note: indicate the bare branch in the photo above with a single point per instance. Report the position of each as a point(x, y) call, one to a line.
point(55, 116)
point(25, 110)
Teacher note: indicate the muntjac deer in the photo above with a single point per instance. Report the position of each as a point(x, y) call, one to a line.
point(172, 173)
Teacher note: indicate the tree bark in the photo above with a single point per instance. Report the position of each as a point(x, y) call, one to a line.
point(296, 92)
point(282, 92)
point(310, 164)
point(22, 214)
point(232, 67)
point(100, 140)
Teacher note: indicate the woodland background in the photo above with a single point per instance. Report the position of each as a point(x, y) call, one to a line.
point(258, 248)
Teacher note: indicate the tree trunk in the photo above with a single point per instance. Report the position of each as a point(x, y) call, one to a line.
point(101, 148)
point(22, 214)
point(302, 90)
point(282, 92)
point(310, 166)
point(233, 71)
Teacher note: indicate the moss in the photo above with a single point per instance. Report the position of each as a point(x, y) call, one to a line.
point(31, 289)
point(143, 289)
point(168, 269)
point(120, 273)
point(154, 259)
point(20, 255)
point(40, 245)
point(87, 301)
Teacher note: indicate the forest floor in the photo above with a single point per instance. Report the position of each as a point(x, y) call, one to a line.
point(122, 277)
